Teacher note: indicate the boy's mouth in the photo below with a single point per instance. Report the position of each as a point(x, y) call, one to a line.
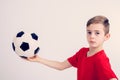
point(92, 42)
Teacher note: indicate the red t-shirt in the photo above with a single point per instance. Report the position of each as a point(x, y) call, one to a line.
point(96, 67)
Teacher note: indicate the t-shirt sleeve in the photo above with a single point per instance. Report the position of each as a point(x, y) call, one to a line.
point(104, 69)
point(73, 60)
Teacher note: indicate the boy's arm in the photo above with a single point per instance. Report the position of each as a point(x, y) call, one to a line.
point(53, 64)
point(113, 79)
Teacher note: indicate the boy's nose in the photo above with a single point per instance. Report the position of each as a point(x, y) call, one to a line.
point(92, 35)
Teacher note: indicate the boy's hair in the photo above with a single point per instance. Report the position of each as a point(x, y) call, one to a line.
point(100, 19)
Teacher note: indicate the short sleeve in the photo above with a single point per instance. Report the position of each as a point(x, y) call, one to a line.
point(104, 68)
point(73, 60)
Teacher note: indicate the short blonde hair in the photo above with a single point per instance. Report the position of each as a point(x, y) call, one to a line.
point(100, 19)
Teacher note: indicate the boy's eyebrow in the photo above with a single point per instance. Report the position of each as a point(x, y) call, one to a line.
point(93, 30)
point(89, 30)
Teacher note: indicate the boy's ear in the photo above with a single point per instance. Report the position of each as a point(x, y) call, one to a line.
point(107, 36)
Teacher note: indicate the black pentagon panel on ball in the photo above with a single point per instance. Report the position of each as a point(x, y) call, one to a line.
point(36, 50)
point(24, 46)
point(23, 57)
point(13, 46)
point(20, 34)
point(34, 36)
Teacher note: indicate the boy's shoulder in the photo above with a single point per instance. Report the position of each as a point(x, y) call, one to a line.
point(101, 57)
point(84, 49)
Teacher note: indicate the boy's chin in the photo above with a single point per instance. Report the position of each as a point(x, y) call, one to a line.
point(93, 46)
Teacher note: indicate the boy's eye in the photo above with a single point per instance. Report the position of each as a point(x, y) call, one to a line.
point(89, 32)
point(97, 33)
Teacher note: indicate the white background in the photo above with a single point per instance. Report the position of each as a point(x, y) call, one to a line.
point(60, 25)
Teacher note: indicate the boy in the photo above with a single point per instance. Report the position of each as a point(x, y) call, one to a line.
point(91, 63)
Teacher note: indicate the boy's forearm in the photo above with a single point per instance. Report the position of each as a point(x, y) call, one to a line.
point(55, 64)
point(50, 63)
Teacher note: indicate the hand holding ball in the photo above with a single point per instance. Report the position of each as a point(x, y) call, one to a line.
point(26, 44)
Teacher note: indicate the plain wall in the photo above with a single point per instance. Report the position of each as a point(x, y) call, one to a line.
point(60, 25)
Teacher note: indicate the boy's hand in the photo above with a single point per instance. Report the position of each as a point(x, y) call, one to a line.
point(35, 58)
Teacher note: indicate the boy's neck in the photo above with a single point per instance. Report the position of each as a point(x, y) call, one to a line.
point(93, 51)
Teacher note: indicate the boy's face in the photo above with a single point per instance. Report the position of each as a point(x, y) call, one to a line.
point(96, 35)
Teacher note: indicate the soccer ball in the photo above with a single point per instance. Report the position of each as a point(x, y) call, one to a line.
point(26, 44)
